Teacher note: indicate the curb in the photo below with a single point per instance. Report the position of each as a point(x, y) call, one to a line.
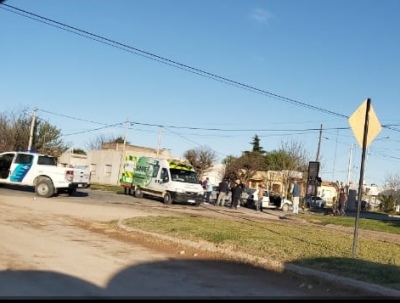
point(208, 246)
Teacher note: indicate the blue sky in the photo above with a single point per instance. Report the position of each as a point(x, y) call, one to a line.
point(311, 63)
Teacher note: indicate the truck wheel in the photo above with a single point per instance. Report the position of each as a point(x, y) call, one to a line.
point(285, 207)
point(44, 188)
point(167, 198)
point(138, 193)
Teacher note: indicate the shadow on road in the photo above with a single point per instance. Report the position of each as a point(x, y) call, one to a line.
point(177, 278)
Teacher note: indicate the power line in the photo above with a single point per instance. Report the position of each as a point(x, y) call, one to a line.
point(164, 60)
point(195, 128)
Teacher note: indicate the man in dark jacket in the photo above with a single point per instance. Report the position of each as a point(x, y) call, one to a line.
point(223, 190)
point(236, 192)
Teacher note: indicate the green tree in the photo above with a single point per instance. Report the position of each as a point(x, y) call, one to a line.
point(244, 167)
point(47, 139)
point(256, 145)
point(15, 132)
point(388, 202)
point(79, 151)
point(290, 158)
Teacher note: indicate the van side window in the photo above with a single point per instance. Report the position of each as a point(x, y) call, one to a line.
point(164, 175)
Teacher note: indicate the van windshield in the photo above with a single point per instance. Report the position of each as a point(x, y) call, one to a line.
point(184, 176)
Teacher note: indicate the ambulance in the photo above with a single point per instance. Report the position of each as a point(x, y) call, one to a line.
point(172, 180)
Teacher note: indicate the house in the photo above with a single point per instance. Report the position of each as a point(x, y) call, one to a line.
point(105, 165)
point(329, 191)
point(69, 159)
point(277, 181)
point(215, 174)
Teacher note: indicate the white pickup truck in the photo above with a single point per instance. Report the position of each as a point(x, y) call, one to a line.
point(41, 172)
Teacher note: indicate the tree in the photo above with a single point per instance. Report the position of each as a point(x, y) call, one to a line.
point(79, 151)
point(244, 167)
point(15, 131)
point(47, 139)
point(388, 202)
point(201, 158)
point(256, 145)
point(97, 142)
point(290, 157)
point(392, 184)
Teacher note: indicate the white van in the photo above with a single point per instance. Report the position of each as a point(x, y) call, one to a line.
point(170, 179)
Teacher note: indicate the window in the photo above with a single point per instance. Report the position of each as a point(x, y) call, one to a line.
point(107, 170)
point(164, 175)
point(24, 159)
point(46, 160)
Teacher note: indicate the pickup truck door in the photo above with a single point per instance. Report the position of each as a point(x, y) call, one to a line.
point(20, 167)
point(6, 160)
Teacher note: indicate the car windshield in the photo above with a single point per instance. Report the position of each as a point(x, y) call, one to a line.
point(184, 176)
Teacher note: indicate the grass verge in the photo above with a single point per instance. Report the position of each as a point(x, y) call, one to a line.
point(311, 246)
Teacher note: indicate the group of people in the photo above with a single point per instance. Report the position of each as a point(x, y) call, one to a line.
point(236, 188)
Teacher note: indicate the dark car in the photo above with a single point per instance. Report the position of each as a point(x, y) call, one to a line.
point(317, 202)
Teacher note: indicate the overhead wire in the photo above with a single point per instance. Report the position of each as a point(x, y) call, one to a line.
point(164, 60)
point(172, 63)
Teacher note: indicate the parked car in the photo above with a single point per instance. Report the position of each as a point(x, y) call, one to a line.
point(318, 202)
point(271, 200)
point(215, 192)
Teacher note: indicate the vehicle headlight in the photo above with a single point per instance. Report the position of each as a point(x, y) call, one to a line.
point(180, 190)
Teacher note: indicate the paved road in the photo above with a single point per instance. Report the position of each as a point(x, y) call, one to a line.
point(46, 252)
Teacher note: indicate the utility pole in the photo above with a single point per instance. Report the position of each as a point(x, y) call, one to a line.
point(349, 168)
point(159, 140)
point(319, 144)
point(32, 129)
point(317, 160)
point(122, 158)
point(334, 157)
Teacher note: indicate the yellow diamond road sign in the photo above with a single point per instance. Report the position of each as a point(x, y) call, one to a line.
point(357, 122)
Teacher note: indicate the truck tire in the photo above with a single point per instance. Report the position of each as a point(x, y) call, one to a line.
point(167, 198)
point(44, 188)
point(138, 193)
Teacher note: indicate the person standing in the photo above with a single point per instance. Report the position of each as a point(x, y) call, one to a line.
point(242, 190)
point(208, 187)
point(260, 196)
point(342, 202)
point(236, 191)
point(296, 197)
point(223, 190)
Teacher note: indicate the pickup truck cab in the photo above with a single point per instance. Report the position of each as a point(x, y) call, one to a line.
point(41, 172)
point(270, 200)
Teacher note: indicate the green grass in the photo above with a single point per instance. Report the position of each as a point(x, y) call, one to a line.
point(307, 245)
point(389, 226)
point(377, 261)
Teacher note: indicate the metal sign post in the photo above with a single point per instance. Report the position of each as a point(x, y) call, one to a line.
point(372, 127)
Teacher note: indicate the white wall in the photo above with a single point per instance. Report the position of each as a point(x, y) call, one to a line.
point(215, 174)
